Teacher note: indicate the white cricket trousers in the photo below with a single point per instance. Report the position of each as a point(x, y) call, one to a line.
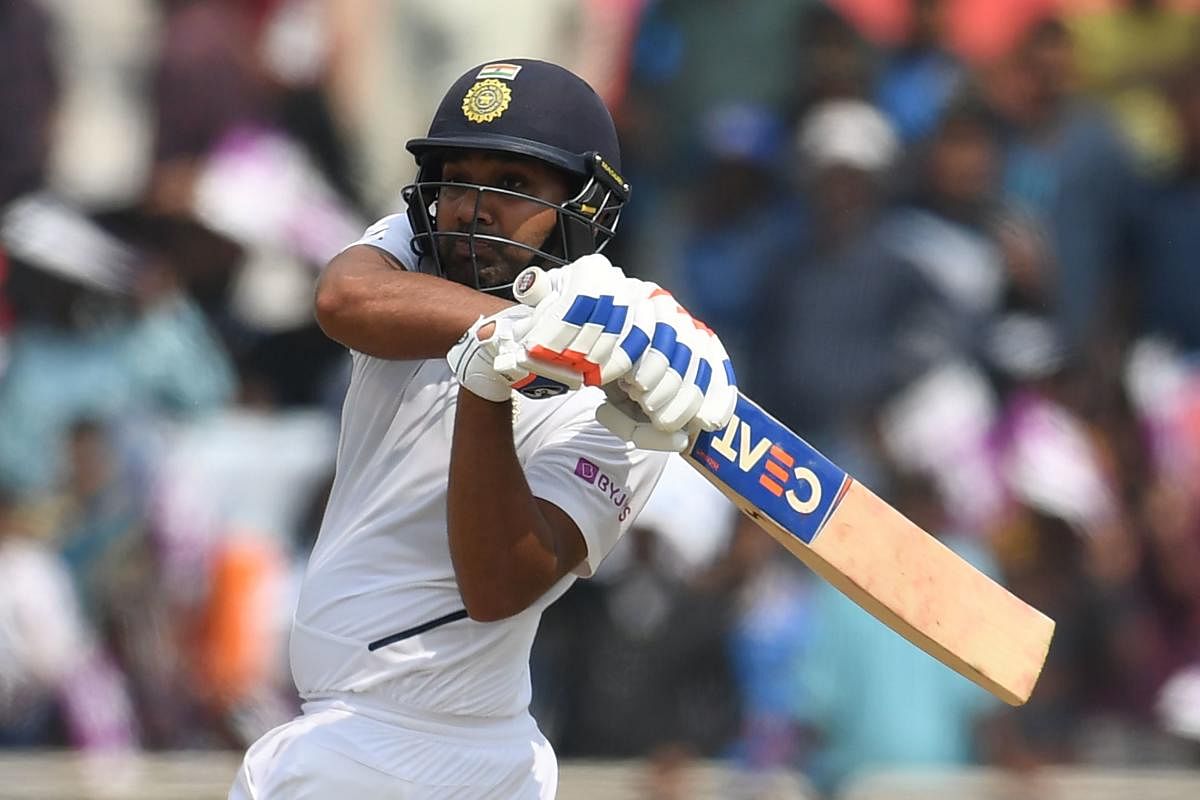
point(331, 752)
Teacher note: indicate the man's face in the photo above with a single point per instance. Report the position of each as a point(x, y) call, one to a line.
point(465, 209)
point(962, 162)
point(844, 198)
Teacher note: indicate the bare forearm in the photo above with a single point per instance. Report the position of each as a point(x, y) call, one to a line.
point(369, 305)
point(501, 545)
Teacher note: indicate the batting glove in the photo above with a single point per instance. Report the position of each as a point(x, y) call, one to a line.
point(589, 317)
point(685, 378)
point(674, 377)
point(621, 415)
point(473, 359)
point(682, 384)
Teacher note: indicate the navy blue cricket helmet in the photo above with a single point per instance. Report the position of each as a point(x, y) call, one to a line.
point(527, 108)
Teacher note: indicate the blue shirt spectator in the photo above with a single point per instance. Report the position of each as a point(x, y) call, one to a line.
point(166, 360)
point(876, 701)
point(920, 78)
point(1065, 165)
point(1166, 237)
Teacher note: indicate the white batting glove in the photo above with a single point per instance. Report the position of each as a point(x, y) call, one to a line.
point(473, 359)
point(675, 377)
point(685, 378)
point(627, 421)
point(684, 383)
point(589, 317)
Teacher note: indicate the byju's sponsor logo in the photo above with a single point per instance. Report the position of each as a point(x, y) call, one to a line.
point(587, 470)
point(591, 473)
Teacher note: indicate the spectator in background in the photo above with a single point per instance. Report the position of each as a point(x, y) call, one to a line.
point(227, 70)
point(1127, 51)
point(99, 335)
point(206, 82)
point(249, 167)
point(1086, 542)
point(920, 76)
point(840, 308)
point(1065, 166)
point(57, 685)
point(40, 625)
point(1042, 560)
point(1165, 277)
point(742, 220)
point(100, 529)
point(296, 52)
point(28, 97)
point(1171, 515)
point(945, 229)
point(771, 594)
point(691, 58)
point(873, 700)
point(105, 352)
point(834, 61)
point(1083, 541)
point(230, 520)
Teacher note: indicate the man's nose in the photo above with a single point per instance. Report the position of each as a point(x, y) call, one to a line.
point(475, 206)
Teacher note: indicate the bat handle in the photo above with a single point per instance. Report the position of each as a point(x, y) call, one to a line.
point(532, 286)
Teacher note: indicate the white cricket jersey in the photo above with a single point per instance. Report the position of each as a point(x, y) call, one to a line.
point(381, 564)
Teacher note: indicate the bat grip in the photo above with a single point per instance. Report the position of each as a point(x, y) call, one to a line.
point(532, 286)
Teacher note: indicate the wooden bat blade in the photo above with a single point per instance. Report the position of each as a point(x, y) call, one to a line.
point(899, 573)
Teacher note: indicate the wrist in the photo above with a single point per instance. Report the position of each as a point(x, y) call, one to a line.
point(471, 403)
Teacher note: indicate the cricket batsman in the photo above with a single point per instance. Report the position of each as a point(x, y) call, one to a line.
point(491, 452)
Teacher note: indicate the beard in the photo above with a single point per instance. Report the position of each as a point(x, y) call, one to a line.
point(493, 264)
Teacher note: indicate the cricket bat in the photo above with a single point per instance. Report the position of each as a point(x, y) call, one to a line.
point(903, 576)
point(885, 563)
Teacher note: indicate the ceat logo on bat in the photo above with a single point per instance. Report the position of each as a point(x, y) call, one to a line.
point(780, 476)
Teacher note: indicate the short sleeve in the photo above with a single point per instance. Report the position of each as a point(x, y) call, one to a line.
point(601, 482)
point(393, 235)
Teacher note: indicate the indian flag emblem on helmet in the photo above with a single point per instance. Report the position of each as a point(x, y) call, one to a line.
point(505, 71)
point(486, 100)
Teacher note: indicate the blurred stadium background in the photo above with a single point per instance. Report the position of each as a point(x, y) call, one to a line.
point(954, 244)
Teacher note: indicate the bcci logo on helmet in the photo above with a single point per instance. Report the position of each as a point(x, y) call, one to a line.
point(486, 100)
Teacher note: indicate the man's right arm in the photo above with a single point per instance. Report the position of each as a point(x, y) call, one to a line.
point(367, 303)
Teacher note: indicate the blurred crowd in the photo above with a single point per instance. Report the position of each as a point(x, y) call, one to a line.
point(953, 244)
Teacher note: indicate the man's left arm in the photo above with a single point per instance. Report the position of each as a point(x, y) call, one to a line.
point(507, 546)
